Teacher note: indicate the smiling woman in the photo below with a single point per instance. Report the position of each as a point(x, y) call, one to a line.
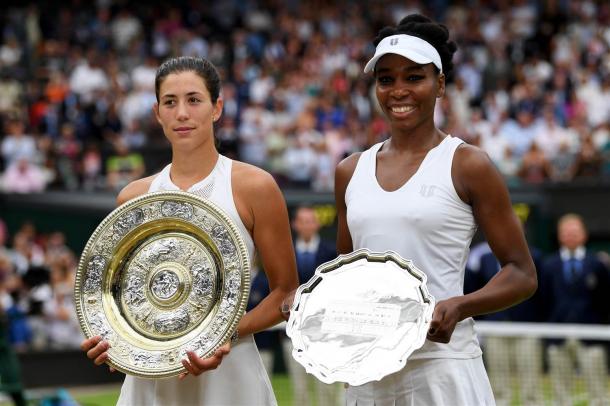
point(423, 193)
point(188, 103)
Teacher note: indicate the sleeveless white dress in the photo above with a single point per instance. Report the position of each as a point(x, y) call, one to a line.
point(241, 378)
point(425, 221)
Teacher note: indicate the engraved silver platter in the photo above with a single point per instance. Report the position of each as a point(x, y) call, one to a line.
point(360, 317)
point(164, 273)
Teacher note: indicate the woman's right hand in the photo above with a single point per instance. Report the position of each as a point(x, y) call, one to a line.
point(96, 349)
point(286, 305)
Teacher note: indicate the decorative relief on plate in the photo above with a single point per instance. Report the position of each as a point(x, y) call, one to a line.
point(162, 274)
point(360, 317)
point(95, 267)
point(165, 284)
point(177, 209)
point(128, 221)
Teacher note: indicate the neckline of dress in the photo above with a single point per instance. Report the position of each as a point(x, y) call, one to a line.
point(426, 158)
point(167, 180)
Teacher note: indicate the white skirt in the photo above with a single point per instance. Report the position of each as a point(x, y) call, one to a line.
point(240, 379)
point(424, 382)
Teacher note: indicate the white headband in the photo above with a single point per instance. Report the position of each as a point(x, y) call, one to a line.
point(413, 48)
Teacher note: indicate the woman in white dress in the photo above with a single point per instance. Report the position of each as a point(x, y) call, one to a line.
point(422, 194)
point(188, 104)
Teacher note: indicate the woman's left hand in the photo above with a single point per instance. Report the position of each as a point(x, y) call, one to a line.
point(196, 365)
point(446, 315)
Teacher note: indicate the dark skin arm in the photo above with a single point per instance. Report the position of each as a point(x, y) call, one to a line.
point(343, 174)
point(480, 185)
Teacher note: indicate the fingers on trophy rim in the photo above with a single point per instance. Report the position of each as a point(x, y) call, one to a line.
point(190, 368)
point(90, 343)
point(101, 359)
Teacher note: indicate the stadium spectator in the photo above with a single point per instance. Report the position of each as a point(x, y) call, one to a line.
point(575, 287)
point(123, 166)
point(589, 159)
point(17, 144)
point(534, 165)
point(67, 154)
point(562, 165)
point(91, 167)
point(23, 176)
point(62, 327)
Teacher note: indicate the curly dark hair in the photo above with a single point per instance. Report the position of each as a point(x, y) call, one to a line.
point(202, 67)
point(422, 27)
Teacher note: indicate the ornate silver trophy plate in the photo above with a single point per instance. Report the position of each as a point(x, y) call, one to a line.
point(164, 273)
point(360, 317)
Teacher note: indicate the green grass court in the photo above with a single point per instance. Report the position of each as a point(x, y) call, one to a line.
point(108, 395)
point(281, 386)
point(283, 392)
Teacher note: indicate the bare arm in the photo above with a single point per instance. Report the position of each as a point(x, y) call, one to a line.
point(479, 184)
point(134, 189)
point(95, 348)
point(263, 211)
point(343, 175)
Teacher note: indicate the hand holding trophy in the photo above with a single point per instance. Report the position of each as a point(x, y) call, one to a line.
point(163, 275)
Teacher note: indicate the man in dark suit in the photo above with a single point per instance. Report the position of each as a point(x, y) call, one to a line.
point(576, 286)
point(311, 251)
point(521, 355)
point(267, 340)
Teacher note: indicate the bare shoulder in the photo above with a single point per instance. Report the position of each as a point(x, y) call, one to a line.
point(345, 168)
point(470, 159)
point(256, 194)
point(134, 189)
point(474, 174)
point(251, 179)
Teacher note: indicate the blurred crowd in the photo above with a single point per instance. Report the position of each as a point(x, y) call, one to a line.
point(531, 86)
point(36, 289)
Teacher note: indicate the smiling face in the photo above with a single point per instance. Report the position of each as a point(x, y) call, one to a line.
point(407, 91)
point(185, 110)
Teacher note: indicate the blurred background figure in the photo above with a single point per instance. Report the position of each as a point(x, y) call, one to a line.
point(575, 287)
point(23, 176)
point(123, 166)
point(507, 357)
point(266, 341)
point(10, 374)
point(311, 251)
point(59, 312)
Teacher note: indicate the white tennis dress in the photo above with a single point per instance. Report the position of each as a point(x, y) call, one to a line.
point(241, 378)
point(425, 221)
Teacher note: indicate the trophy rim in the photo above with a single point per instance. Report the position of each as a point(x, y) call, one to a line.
point(301, 297)
point(241, 252)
